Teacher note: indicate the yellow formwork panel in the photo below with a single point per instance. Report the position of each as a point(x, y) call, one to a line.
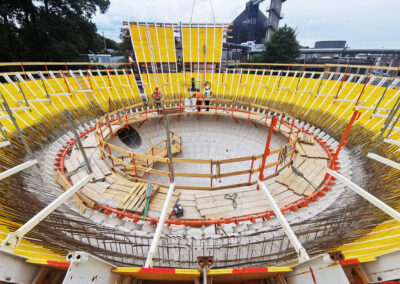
point(202, 44)
point(28, 248)
point(120, 92)
point(279, 92)
point(153, 43)
point(382, 239)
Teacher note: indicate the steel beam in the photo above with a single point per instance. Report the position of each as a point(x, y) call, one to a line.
point(301, 252)
point(366, 195)
point(384, 160)
point(17, 169)
point(14, 238)
point(5, 143)
point(160, 227)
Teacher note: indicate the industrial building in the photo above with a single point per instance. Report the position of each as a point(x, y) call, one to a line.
point(199, 170)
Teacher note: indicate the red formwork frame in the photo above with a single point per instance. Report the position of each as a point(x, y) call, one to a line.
point(107, 210)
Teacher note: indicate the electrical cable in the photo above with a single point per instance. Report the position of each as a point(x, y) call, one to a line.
point(212, 10)
point(191, 16)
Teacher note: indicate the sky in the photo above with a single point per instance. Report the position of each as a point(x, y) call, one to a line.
point(362, 23)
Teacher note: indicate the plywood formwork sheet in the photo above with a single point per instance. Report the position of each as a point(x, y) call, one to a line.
point(153, 43)
point(202, 44)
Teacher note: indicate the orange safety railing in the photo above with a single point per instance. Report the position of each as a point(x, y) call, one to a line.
point(108, 127)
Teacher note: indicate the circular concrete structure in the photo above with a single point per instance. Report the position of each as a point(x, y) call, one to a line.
point(106, 218)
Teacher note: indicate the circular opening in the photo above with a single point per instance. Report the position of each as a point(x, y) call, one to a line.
point(130, 137)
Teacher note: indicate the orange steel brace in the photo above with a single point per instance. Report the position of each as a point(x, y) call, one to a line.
point(169, 170)
point(109, 151)
point(341, 83)
point(65, 81)
point(90, 82)
point(23, 70)
point(363, 88)
point(267, 150)
point(343, 141)
point(134, 163)
point(129, 79)
point(279, 157)
point(66, 67)
point(47, 70)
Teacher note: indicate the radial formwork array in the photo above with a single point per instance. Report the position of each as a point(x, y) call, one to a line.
point(322, 99)
point(319, 99)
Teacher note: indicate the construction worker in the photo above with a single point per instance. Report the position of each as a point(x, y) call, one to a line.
point(130, 59)
point(179, 63)
point(157, 96)
point(199, 99)
point(207, 97)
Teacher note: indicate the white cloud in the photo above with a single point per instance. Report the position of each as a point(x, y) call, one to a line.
point(363, 23)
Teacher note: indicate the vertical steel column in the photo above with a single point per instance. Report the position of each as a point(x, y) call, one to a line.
point(161, 220)
point(78, 140)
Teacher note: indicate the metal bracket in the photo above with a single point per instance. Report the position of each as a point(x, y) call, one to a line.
point(14, 269)
point(320, 269)
point(387, 267)
point(86, 268)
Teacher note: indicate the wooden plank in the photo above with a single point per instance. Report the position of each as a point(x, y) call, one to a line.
point(140, 209)
point(237, 213)
point(64, 183)
point(86, 200)
point(243, 209)
point(96, 188)
point(214, 202)
point(139, 195)
point(128, 196)
point(165, 190)
point(122, 188)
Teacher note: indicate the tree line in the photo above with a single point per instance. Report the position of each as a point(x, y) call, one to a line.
point(50, 30)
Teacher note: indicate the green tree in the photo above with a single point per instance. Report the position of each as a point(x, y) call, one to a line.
point(283, 47)
point(126, 45)
point(49, 30)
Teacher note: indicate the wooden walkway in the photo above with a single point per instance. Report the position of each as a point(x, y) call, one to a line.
point(117, 192)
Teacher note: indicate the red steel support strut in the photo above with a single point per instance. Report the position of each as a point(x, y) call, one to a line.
point(267, 150)
point(343, 141)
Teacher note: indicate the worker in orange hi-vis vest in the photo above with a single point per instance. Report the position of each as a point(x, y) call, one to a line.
point(199, 99)
point(130, 59)
point(157, 96)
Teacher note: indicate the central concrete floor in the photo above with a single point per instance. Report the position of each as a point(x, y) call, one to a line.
point(205, 138)
point(208, 138)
